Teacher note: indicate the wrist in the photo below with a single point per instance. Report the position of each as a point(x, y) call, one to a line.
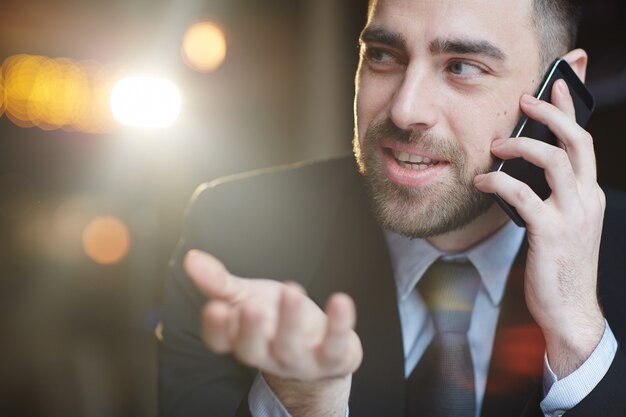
point(569, 345)
point(328, 397)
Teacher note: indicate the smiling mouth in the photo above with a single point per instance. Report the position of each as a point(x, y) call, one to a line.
point(412, 161)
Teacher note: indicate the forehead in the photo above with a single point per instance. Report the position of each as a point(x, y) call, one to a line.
point(506, 23)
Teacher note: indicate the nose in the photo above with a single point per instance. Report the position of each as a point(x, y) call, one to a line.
point(413, 105)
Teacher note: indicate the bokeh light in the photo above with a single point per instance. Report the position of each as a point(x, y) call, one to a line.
point(106, 240)
point(1, 94)
point(62, 241)
point(204, 46)
point(56, 93)
point(144, 101)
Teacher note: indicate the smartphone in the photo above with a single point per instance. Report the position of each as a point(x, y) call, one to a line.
point(523, 170)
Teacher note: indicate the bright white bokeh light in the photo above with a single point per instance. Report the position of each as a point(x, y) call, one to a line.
point(144, 101)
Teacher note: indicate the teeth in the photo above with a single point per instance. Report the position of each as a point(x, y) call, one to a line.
point(403, 156)
point(416, 167)
point(410, 161)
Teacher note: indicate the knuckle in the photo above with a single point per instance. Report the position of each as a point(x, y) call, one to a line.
point(559, 157)
point(586, 138)
point(523, 193)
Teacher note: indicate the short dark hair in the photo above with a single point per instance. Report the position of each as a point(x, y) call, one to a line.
point(556, 22)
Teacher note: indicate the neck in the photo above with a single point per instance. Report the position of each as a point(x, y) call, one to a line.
point(473, 233)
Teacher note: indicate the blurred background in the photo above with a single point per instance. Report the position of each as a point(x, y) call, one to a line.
point(94, 182)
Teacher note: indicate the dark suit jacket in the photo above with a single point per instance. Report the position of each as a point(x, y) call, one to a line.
point(312, 223)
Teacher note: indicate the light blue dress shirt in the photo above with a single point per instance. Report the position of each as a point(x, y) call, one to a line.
point(492, 258)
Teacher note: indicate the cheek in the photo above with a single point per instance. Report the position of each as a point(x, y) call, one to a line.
point(360, 117)
point(479, 125)
point(373, 95)
point(473, 128)
point(506, 118)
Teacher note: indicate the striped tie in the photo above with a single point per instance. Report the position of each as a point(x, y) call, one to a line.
point(442, 384)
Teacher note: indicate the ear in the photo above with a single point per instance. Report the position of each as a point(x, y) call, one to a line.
point(577, 59)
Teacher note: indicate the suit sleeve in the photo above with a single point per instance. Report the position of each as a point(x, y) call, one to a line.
point(608, 398)
point(254, 223)
point(566, 393)
point(194, 382)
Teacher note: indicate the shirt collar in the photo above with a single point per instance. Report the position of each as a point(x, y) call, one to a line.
point(492, 258)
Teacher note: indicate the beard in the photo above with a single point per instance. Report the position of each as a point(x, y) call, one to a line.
point(420, 212)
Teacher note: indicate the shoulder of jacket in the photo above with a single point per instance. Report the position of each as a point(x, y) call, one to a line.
point(303, 169)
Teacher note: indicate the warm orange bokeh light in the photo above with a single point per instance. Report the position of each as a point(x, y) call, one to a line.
point(106, 240)
point(56, 93)
point(204, 47)
point(1, 94)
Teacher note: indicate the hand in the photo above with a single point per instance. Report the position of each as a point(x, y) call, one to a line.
point(304, 352)
point(563, 231)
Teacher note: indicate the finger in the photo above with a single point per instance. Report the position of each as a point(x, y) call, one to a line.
point(296, 286)
point(250, 345)
point(555, 162)
point(289, 343)
point(212, 278)
point(575, 140)
point(216, 327)
point(340, 349)
point(518, 194)
point(562, 99)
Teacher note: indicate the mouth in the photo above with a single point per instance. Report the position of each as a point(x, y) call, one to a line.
point(406, 167)
point(412, 161)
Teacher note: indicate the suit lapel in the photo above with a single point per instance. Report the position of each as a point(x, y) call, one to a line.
point(514, 379)
point(357, 262)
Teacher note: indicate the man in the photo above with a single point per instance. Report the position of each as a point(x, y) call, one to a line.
point(439, 88)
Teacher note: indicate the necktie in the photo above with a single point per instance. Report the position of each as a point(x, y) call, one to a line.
point(442, 384)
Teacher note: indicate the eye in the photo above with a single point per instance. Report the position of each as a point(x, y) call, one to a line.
point(464, 69)
point(381, 58)
point(378, 55)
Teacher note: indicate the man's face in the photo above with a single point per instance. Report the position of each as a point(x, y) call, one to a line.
point(438, 81)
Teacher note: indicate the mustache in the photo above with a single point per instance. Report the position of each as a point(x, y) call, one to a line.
point(420, 138)
point(387, 129)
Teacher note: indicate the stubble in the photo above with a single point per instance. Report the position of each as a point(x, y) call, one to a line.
point(446, 205)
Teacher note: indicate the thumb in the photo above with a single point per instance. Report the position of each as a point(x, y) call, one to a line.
point(211, 277)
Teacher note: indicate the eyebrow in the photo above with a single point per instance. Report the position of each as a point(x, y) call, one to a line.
point(438, 46)
point(466, 47)
point(374, 34)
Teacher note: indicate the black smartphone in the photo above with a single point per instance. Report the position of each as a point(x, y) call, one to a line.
point(523, 170)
